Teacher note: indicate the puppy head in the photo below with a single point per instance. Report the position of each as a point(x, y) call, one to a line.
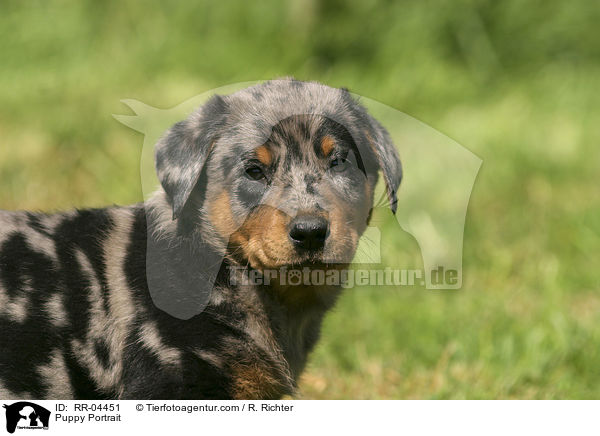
point(279, 174)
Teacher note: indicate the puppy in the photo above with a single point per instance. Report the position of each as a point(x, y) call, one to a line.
point(150, 302)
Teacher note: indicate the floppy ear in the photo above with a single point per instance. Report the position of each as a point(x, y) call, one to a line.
point(387, 156)
point(380, 143)
point(182, 152)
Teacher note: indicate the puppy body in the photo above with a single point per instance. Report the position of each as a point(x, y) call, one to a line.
point(138, 302)
point(79, 322)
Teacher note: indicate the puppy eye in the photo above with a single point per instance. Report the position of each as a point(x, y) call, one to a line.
point(339, 164)
point(255, 173)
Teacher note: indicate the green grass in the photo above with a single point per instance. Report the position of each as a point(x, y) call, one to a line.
point(516, 85)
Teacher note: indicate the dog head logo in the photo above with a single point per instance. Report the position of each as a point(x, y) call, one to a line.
point(26, 415)
point(438, 177)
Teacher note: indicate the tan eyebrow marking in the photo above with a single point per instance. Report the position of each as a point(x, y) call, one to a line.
point(327, 145)
point(264, 155)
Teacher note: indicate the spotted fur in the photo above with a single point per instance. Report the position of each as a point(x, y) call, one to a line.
point(87, 298)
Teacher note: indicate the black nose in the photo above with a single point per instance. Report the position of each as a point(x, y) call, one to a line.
point(309, 232)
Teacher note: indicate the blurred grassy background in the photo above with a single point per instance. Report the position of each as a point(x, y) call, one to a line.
point(516, 82)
